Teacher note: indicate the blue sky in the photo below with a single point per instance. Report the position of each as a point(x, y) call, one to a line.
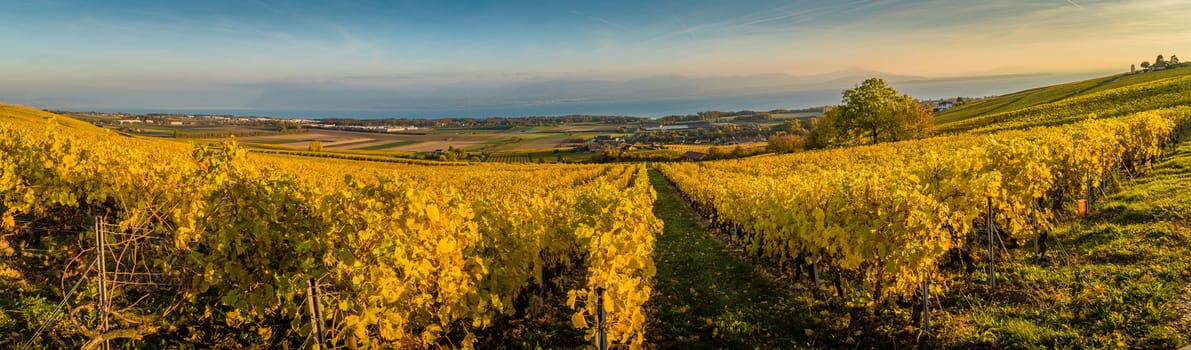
point(214, 54)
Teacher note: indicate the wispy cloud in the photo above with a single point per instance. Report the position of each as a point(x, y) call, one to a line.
point(768, 19)
point(599, 19)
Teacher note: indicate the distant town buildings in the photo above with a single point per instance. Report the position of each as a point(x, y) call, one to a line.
point(655, 126)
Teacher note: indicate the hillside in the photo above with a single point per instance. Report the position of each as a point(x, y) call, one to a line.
point(1101, 103)
point(1048, 94)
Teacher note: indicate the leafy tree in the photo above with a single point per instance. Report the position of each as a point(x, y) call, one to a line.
point(1174, 59)
point(875, 112)
point(715, 152)
point(1159, 61)
point(784, 143)
point(1145, 64)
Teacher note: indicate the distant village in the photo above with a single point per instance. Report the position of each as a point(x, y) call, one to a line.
point(126, 119)
point(1160, 63)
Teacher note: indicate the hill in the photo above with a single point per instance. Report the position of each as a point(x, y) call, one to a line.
point(1049, 94)
point(1100, 103)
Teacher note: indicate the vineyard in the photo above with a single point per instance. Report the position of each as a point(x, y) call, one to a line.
point(1164, 93)
point(1052, 225)
point(879, 223)
point(509, 157)
point(421, 256)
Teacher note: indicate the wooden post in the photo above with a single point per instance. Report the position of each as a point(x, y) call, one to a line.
point(1034, 222)
point(102, 304)
point(815, 272)
point(926, 303)
point(601, 321)
point(992, 269)
point(316, 313)
point(925, 297)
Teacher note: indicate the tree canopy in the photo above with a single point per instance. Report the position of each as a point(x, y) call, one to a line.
point(873, 112)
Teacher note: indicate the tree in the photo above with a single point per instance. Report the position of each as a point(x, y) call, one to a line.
point(1132, 68)
point(1145, 64)
point(715, 152)
point(875, 112)
point(737, 152)
point(1159, 61)
point(784, 143)
point(1174, 59)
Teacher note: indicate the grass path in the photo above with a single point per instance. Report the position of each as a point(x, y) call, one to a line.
point(708, 298)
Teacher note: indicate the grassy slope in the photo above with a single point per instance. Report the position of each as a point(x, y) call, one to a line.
point(1048, 94)
point(34, 119)
point(1017, 100)
point(1117, 279)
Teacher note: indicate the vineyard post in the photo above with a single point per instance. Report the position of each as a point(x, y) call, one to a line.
point(992, 269)
point(316, 314)
point(815, 272)
point(1034, 222)
point(926, 303)
point(926, 299)
point(601, 320)
point(102, 304)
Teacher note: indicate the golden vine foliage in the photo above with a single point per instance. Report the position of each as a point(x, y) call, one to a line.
point(410, 256)
point(887, 213)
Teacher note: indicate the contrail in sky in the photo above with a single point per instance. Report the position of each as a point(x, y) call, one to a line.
point(1072, 2)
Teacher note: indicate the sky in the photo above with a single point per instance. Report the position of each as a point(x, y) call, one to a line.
point(235, 54)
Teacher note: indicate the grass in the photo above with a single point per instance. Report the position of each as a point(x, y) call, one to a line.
point(707, 298)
